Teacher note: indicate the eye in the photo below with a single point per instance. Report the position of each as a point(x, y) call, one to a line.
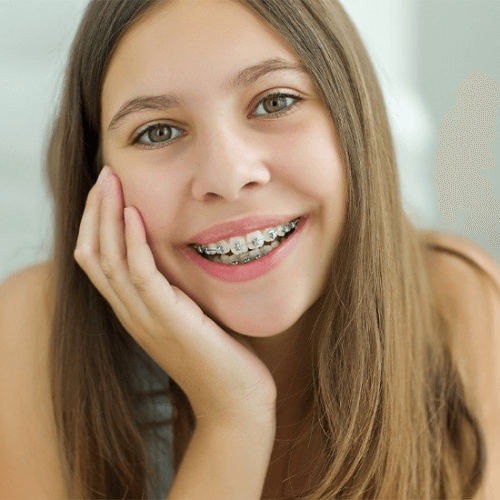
point(155, 135)
point(278, 102)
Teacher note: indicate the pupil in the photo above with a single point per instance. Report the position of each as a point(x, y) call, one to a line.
point(158, 133)
point(274, 102)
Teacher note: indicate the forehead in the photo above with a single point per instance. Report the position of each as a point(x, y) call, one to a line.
point(190, 45)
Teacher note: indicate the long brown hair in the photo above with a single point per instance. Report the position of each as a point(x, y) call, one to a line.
point(394, 417)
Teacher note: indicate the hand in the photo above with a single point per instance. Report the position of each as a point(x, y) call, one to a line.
point(222, 377)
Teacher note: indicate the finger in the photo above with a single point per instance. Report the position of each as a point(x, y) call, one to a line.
point(87, 243)
point(152, 286)
point(113, 254)
point(112, 236)
point(87, 250)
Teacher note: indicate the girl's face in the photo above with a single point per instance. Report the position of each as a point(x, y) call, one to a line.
point(221, 153)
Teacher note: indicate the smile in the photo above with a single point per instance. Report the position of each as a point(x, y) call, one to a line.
point(246, 249)
point(250, 264)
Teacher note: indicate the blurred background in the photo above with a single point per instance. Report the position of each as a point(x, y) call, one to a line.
point(439, 66)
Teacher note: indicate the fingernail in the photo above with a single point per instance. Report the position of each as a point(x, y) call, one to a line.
point(127, 215)
point(104, 175)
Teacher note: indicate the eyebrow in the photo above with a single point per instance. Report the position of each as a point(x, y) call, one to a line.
point(244, 78)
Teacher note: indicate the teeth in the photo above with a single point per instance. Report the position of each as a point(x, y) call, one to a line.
point(270, 234)
point(221, 247)
point(246, 257)
point(280, 230)
point(252, 241)
point(266, 249)
point(255, 240)
point(234, 259)
point(238, 245)
point(211, 249)
point(255, 254)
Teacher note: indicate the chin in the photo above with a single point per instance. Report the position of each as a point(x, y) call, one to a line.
point(261, 313)
point(257, 330)
point(265, 321)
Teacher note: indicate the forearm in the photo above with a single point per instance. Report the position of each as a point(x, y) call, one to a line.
point(224, 463)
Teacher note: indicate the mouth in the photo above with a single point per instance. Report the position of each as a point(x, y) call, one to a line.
point(241, 250)
point(248, 264)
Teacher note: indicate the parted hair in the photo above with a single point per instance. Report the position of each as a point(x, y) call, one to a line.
point(395, 419)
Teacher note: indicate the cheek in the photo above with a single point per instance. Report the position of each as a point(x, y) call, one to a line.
point(157, 196)
point(311, 159)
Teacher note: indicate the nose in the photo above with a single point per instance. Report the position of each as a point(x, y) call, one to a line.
point(229, 165)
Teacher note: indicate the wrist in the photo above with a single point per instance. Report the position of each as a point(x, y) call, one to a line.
point(263, 423)
point(243, 432)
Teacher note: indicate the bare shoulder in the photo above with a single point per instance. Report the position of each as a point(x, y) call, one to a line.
point(34, 280)
point(29, 462)
point(468, 279)
point(26, 298)
point(465, 251)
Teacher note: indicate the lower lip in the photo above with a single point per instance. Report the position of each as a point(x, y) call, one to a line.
point(252, 270)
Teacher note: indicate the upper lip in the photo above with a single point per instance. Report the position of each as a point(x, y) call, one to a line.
point(239, 227)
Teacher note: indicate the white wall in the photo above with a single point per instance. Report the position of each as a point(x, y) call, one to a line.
point(423, 51)
point(34, 41)
point(458, 74)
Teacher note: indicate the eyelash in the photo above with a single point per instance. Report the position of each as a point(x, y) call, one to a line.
point(136, 139)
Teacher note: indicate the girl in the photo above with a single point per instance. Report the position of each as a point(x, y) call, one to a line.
point(228, 216)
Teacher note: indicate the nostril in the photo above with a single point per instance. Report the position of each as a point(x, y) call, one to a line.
point(212, 196)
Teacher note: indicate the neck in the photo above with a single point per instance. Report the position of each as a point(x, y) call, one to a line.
point(289, 357)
